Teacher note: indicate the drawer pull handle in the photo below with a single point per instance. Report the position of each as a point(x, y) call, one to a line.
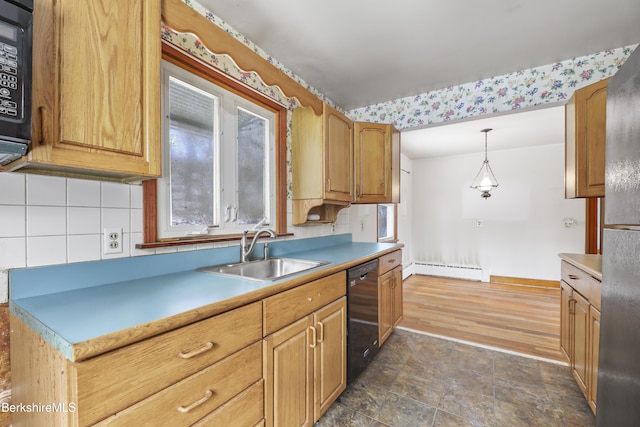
point(313, 337)
point(320, 332)
point(392, 261)
point(573, 277)
point(207, 396)
point(197, 351)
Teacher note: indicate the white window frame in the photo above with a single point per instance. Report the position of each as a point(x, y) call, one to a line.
point(225, 198)
point(392, 226)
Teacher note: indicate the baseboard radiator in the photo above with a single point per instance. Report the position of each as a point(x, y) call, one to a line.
point(445, 270)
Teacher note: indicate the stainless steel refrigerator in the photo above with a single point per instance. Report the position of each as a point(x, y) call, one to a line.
point(618, 398)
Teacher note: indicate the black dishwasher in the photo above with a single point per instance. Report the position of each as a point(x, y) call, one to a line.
point(362, 313)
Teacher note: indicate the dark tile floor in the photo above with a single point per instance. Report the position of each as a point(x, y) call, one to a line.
point(419, 380)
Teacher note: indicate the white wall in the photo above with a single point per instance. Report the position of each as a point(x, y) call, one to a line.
point(522, 223)
point(405, 211)
point(363, 223)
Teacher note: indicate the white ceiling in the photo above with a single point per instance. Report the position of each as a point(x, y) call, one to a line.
point(361, 52)
point(534, 127)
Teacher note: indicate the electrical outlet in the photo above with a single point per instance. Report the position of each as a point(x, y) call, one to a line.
point(112, 241)
point(478, 223)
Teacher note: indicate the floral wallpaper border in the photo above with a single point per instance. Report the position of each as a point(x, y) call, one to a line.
point(527, 88)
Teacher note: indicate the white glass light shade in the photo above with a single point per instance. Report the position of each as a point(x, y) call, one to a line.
point(485, 181)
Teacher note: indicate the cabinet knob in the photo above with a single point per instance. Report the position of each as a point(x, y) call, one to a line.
point(310, 299)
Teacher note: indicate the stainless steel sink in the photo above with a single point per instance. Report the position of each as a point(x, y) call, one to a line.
point(264, 269)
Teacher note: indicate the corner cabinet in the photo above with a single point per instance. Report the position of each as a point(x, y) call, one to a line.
point(305, 351)
point(321, 163)
point(389, 294)
point(377, 163)
point(580, 327)
point(96, 89)
point(585, 137)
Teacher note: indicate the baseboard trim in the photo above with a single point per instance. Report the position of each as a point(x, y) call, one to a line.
point(488, 347)
point(505, 280)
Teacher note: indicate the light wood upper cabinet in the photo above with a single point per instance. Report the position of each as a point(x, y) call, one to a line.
point(585, 137)
point(322, 163)
point(377, 163)
point(322, 155)
point(338, 156)
point(96, 88)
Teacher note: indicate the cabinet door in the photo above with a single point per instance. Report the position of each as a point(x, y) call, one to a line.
point(385, 301)
point(338, 156)
point(585, 141)
point(96, 85)
point(580, 340)
point(565, 318)
point(396, 293)
point(330, 355)
point(373, 162)
point(288, 374)
point(592, 360)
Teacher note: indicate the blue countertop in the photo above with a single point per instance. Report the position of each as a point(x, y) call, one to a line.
point(92, 303)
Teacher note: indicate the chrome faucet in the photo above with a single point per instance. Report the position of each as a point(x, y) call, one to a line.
point(246, 250)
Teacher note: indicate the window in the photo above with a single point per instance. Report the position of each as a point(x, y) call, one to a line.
point(387, 223)
point(218, 158)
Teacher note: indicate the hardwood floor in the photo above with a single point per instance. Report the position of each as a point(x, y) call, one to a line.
point(516, 318)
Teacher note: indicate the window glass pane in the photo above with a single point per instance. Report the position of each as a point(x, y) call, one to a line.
point(252, 167)
point(386, 222)
point(192, 115)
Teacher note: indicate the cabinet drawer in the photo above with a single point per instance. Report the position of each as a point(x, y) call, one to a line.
point(194, 397)
point(116, 380)
point(389, 261)
point(244, 410)
point(582, 282)
point(287, 307)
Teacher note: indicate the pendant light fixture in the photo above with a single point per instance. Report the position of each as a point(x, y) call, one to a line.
point(485, 180)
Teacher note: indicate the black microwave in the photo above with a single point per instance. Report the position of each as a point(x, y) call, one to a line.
point(16, 22)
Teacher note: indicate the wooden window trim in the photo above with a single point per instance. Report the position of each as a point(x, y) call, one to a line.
point(150, 187)
point(593, 229)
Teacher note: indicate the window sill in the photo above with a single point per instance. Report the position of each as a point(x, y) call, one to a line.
point(196, 240)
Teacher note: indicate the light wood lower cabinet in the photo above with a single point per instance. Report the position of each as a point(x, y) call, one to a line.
point(175, 378)
point(305, 361)
point(566, 293)
point(594, 349)
point(389, 294)
point(580, 338)
point(278, 362)
point(580, 327)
